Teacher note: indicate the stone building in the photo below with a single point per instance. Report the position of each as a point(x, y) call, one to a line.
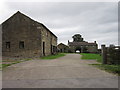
point(62, 48)
point(79, 44)
point(25, 37)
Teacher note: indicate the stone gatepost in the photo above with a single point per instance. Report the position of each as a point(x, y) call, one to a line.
point(104, 54)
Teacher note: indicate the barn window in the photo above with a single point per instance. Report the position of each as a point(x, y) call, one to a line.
point(7, 45)
point(21, 45)
point(47, 33)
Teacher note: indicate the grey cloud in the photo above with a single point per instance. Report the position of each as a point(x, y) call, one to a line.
point(93, 20)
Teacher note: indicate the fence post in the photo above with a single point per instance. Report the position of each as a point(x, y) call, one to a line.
point(104, 54)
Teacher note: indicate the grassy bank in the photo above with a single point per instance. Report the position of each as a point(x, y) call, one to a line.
point(90, 56)
point(54, 56)
point(109, 68)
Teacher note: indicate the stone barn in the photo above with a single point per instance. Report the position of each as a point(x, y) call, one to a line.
point(82, 46)
point(63, 48)
point(25, 37)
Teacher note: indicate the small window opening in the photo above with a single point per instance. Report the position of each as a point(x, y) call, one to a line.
point(21, 45)
point(7, 45)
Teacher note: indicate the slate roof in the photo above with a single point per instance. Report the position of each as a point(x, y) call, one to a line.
point(19, 13)
point(61, 44)
point(80, 43)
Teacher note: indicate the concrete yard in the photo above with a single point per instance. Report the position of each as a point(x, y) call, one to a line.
point(65, 72)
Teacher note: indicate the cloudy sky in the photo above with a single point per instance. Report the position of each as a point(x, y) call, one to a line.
point(95, 21)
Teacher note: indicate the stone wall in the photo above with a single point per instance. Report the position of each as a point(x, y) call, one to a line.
point(110, 55)
point(49, 40)
point(46, 38)
point(54, 44)
point(84, 49)
point(19, 28)
point(92, 48)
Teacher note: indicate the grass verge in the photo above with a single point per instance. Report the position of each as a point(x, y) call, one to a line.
point(5, 65)
point(109, 68)
point(13, 62)
point(90, 56)
point(54, 56)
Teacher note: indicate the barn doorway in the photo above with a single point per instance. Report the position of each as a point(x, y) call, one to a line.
point(43, 48)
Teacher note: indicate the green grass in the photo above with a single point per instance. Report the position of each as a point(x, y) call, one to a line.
point(109, 68)
point(0, 67)
point(90, 56)
point(27, 59)
point(13, 62)
point(5, 65)
point(54, 56)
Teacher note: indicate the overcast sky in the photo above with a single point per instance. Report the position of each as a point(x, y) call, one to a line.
point(95, 21)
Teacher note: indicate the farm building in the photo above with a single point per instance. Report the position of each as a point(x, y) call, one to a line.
point(25, 37)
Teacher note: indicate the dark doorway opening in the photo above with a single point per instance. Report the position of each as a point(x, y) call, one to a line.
point(78, 50)
point(43, 48)
point(51, 49)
